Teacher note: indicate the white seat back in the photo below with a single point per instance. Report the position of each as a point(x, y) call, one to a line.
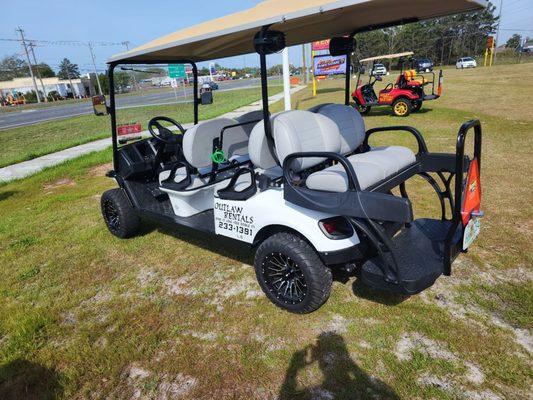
point(350, 123)
point(248, 117)
point(294, 131)
point(198, 141)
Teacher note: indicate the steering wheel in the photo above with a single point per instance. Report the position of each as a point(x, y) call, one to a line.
point(164, 134)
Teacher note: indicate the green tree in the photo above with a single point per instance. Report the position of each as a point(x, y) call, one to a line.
point(443, 40)
point(45, 70)
point(13, 67)
point(68, 70)
point(514, 41)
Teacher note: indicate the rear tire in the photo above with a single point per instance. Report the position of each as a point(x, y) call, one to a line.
point(402, 107)
point(417, 105)
point(119, 216)
point(291, 273)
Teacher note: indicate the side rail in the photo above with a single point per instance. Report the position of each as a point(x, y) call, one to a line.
point(422, 147)
point(452, 243)
point(353, 203)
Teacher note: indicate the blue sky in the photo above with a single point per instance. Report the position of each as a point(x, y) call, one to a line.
point(139, 21)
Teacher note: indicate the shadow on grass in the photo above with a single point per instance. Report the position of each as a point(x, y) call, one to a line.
point(226, 247)
point(387, 110)
point(342, 378)
point(7, 194)
point(378, 296)
point(22, 379)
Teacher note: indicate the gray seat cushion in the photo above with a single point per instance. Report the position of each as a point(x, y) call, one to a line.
point(294, 131)
point(370, 168)
point(198, 141)
point(248, 117)
point(350, 123)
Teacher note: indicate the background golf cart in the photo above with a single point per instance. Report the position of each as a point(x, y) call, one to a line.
point(369, 211)
point(405, 95)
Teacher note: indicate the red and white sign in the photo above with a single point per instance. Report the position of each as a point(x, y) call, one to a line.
point(129, 129)
point(320, 45)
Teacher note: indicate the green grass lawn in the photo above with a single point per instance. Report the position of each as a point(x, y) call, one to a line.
point(28, 142)
point(175, 314)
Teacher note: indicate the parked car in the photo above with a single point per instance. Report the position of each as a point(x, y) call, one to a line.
point(466, 62)
point(378, 69)
point(423, 65)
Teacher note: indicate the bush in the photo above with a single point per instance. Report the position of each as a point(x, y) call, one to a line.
point(31, 97)
point(54, 95)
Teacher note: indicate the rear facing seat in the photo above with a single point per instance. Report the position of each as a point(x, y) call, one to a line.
point(370, 167)
point(333, 128)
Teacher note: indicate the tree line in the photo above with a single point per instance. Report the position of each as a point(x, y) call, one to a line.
point(443, 40)
point(12, 67)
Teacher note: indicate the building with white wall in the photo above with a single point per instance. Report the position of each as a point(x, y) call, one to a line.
point(80, 87)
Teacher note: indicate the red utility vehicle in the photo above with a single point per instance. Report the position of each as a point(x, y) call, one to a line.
point(406, 95)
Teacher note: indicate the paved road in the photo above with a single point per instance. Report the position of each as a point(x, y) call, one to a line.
point(34, 116)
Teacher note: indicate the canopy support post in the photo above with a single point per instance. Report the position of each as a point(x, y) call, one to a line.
point(113, 115)
point(348, 73)
point(286, 79)
point(195, 91)
point(264, 95)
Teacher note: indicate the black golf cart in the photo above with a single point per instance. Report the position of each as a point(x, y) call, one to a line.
point(305, 189)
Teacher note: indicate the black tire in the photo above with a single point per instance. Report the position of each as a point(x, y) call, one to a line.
point(362, 109)
point(290, 257)
point(403, 104)
point(119, 215)
point(417, 105)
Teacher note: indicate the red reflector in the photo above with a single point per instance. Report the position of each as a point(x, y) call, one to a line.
point(329, 227)
point(472, 192)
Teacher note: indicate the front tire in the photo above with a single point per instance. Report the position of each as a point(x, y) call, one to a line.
point(362, 109)
point(119, 215)
point(291, 273)
point(401, 107)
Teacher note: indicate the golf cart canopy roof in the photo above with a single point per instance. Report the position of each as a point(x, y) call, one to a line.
point(302, 21)
point(388, 56)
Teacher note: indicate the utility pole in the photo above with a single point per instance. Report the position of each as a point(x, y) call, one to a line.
point(32, 45)
point(498, 29)
point(95, 72)
point(21, 31)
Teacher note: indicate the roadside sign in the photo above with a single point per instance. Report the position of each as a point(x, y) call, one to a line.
point(490, 42)
point(320, 45)
point(329, 65)
point(176, 71)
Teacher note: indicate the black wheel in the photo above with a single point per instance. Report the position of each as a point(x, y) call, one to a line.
point(119, 215)
point(417, 105)
point(401, 107)
point(291, 273)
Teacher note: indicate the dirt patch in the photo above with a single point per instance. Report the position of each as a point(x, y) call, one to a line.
point(99, 170)
point(63, 182)
point(166, 387)
point(431, 348)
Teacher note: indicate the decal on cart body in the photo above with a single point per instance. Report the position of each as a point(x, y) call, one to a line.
point(234, 221)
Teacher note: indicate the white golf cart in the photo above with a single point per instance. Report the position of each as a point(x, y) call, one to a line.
point(304, 188)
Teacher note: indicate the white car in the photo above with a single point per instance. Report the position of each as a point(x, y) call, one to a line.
point(379, 69)
point(466, 62)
